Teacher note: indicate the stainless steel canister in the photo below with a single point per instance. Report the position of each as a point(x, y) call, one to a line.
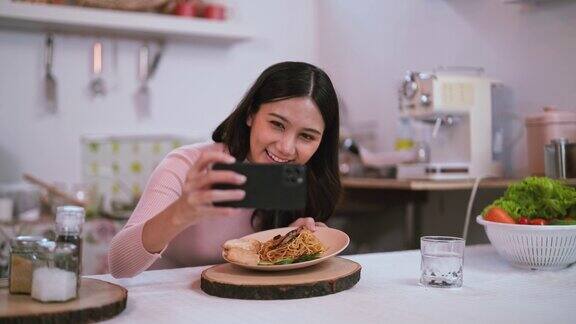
point(560, 159)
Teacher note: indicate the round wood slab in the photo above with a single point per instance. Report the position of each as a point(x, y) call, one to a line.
point(98, 300)
point(329, 277)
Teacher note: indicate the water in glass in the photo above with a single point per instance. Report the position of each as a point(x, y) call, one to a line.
point(442, 269)
point(442, 259)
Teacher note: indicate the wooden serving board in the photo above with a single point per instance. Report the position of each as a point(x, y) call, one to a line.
point(328, 277)
point(97, 300)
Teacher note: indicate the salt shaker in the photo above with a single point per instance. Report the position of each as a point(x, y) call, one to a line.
point(55, 276)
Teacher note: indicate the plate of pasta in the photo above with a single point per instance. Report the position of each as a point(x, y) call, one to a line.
point(285, 248)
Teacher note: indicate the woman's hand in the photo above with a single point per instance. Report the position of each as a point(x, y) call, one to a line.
point(198, 196)
point(195, 203)
point(308, 222)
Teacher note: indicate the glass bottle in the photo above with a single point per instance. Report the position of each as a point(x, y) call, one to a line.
point(69, 221)
point(404, 135)
point(22, 255)
point(55, 276)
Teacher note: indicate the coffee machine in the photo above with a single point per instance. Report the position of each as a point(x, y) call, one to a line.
point(452, 107)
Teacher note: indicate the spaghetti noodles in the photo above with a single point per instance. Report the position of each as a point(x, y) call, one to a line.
point(296, 246)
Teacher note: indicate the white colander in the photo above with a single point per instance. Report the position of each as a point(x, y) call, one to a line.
point(536, 247)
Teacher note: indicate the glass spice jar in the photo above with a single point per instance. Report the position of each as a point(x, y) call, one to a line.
point(55, 275)
point(69, 222)
point(22, 256)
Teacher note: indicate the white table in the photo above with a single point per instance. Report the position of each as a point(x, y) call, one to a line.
point(388, 292)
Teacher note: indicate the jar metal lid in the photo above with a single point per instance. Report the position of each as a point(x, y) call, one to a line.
point(46, 246)
point(26, 241)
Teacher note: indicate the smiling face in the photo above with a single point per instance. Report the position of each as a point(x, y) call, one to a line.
point(285, 131)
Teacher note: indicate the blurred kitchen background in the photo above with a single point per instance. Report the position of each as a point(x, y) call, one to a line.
point(92, 99)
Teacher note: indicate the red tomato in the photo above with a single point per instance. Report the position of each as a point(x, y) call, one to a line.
point(538, 221)
point(524, 220)
point(498, 215)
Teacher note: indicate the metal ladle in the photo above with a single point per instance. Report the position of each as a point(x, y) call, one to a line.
point(97, 85)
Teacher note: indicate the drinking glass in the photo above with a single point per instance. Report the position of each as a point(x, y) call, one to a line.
point(442, 259)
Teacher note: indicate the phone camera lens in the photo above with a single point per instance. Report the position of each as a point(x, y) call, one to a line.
point(293, 175)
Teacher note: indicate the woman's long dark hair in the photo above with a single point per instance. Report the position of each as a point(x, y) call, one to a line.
point(283, 81)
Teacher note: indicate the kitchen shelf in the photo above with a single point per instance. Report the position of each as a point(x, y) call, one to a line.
point(92, 21)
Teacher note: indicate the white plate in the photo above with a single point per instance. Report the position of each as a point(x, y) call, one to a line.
point(334, 240)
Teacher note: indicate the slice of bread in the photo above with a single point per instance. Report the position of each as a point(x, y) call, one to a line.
point(251, 245)
point(242, 256)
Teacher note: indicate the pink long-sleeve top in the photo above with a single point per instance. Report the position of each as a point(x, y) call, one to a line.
point(199, 244)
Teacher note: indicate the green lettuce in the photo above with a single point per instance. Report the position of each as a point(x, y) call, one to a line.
point(537, 197)
point(308, 257)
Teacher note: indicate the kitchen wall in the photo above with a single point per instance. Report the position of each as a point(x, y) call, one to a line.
point(195, 87)
point(365, 45)
point(368, 46)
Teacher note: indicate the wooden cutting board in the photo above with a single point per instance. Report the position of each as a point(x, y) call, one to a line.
point(231, 281)
point(97, 300)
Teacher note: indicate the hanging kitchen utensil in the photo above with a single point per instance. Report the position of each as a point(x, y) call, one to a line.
point(142, 96)
point(114, 84)
point(97, 85)
point(50, 84)
point(155, 61)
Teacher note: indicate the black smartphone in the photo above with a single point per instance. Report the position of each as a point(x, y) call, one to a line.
point(267, 186)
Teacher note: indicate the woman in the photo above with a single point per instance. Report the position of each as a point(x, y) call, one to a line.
point(289, 115)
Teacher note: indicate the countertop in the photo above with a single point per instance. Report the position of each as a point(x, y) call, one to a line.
point(427, 185)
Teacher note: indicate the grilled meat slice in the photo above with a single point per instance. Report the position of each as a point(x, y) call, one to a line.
point(289, 237)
